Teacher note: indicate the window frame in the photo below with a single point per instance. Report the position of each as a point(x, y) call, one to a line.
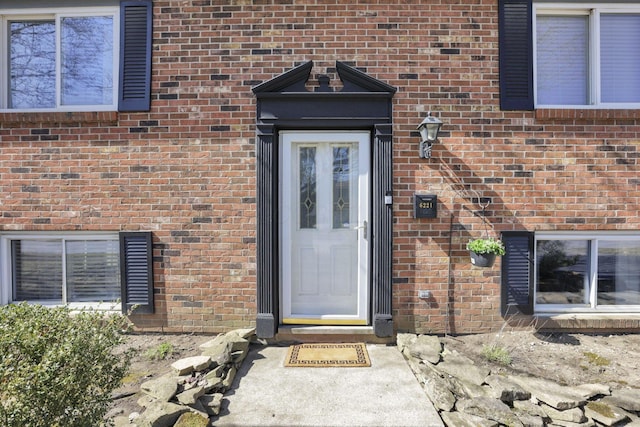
point(591, 306)
point(6, 267)
point(56, 14)
point(593, 11)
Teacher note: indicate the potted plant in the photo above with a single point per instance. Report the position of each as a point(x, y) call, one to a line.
point(483, 251)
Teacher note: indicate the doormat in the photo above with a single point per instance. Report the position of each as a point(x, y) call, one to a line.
point(328, 355)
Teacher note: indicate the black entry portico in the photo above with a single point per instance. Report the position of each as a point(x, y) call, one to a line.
point(284, 103)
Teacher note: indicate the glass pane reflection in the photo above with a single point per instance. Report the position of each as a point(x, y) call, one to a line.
point(618, 272)
point(32, 64)
point(87, 60)
point(562, 272)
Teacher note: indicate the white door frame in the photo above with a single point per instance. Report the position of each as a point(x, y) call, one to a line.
point(359, 229)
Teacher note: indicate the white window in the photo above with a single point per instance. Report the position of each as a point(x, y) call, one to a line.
point(587, 55)
point(79, 270)
point(59, 59)
point(587, 273)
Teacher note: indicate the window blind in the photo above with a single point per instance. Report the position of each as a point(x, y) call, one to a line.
point(619, 58)
point(562, 60)
point(85, 271)
point(93, 270)
point(37, 270)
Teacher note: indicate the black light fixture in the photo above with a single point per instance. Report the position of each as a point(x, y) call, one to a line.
point(428, 129)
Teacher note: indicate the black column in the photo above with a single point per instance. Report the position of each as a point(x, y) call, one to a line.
point(382, 230)
point(267, 231)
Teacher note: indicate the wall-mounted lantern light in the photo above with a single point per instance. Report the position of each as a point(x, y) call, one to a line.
point(428, 129)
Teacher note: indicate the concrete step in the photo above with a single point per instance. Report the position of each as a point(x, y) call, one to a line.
point(310, 334)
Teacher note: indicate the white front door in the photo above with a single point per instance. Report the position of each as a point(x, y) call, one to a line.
point(324, 227)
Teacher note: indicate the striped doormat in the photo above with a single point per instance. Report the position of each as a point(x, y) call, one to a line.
point(328, 355)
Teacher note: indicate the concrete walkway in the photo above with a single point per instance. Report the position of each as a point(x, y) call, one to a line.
point(265, 393)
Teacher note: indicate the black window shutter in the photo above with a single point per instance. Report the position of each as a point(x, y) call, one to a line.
point(134, 93)
point(516, 294)
point(136, 271)
point(515, 37)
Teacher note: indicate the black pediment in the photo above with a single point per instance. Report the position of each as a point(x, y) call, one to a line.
point(361, 101)
point(294, 81)
point(355, 80)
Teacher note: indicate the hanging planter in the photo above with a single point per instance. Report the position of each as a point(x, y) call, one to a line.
point(482, 260)
point(484, 251)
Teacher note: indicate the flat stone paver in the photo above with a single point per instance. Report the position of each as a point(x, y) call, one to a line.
point(265, 393)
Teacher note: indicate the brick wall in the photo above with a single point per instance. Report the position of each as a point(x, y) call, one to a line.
point(185, 170)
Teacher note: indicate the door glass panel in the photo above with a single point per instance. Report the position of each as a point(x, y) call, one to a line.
point(618, 272)
point(308, 184)
point(562, 272)
point(341, 187)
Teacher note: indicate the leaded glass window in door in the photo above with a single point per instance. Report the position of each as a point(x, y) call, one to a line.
point(308, 184)
point(341, 187)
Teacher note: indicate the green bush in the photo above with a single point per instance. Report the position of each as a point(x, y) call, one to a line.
point(57, 368)
point(497, 354)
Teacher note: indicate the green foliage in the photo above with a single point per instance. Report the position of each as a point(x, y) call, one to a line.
point(58, 369)
point(487, 246)
point(595, 359)
point(160, 352)
point(497, 354)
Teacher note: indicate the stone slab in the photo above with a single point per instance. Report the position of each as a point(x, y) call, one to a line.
point(488, 408)
point(625, 398)
point(162, 389)
point(426, 347)
point(460, 419)
point(604, 413)
point(506, 390)
point(551, 393)
point(191, 364)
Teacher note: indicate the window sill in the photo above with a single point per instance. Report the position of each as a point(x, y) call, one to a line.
point(559, 114)
point(13, 120)
point(592, 322)
point(77, 307)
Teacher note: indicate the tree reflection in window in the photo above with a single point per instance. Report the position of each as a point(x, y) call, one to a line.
point(87, 60)
point(85, 56)
point(32, 64)
point(562, 272)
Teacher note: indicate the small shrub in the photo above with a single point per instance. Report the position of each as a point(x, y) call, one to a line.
point(57, 368)
point(160, 352)
point(496, 354)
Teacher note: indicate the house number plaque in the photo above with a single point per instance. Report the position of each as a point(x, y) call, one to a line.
point(425, 206)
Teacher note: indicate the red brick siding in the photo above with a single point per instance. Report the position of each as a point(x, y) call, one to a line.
point(186, 170)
